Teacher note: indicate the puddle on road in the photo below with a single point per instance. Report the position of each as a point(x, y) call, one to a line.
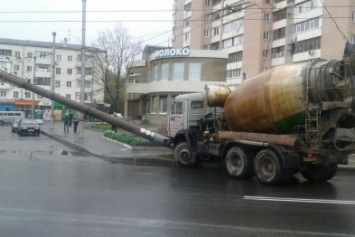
point(50, 153)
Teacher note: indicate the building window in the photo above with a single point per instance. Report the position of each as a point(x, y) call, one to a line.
point(187, 22)
point(187, 8)
point(306, 45)
point(267, 17)
point(4, 52)
point(306, 6)
point(215, 31)
point(235, 57)
point(266, 35)
point(205, 47)
point(279, 33)
point(194, 71)
point(43, 81)
point(43, 54)
point(15, 94)
point(69, 71)
point(227, 43)
point(164, 72)
point(58, 58)
point(234, 73)
point(215, 46)
point(216, 15)
point(2, 93)
point(17, 54)
point(154, 76)
point(16, 67)
point(215, 2)
point(308, 25)
point(178, 71)
point(57, 83)
point(29, 68)
point(68, 96)
point(279, 15)
point(187, 36)
point(353, 39)
point(353, 17)
point(207, 3)
point(206, 33)
point(154, 104)
point(29, 54)
point(233, 25)
point(70, 58)
point(207, 17)
point(163, 104)
point(58, 70)
point(233, 41)
point(68, 83)
point(265, 53)
point(27, 94)
point(278, 52)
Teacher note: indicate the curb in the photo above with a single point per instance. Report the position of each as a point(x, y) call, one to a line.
point(158, 159)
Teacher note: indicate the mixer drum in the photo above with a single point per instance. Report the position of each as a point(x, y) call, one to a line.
point(273, 101)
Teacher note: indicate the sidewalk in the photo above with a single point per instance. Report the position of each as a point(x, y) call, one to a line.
point(95, 144)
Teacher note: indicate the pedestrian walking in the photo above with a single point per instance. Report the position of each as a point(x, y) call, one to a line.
point(66, 122)
point(76, 121)
point(70, 118)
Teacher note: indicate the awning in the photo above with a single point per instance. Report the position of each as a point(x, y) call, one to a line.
point(26, 102)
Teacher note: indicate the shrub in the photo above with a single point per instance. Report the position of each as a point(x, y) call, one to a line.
point(134, 141)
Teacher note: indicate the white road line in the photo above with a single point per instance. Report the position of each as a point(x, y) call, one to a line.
point(320, 201)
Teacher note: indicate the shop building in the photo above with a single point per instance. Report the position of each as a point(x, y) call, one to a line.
point(165, 73)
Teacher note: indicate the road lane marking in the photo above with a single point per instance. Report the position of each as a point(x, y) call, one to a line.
point(302, 200)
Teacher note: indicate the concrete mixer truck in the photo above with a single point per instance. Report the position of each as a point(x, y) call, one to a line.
point(289, 119)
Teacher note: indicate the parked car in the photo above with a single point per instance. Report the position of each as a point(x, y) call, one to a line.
point(14, 125)
point(28, 126)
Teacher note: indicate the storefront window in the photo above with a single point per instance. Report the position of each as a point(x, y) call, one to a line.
point(164, 72)
point(178, 72)
point(194, 71)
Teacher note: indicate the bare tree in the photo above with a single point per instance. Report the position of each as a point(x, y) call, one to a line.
point(113, 68)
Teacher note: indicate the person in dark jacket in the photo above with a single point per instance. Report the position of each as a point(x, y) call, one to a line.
point(70, 118)
point(66, 122)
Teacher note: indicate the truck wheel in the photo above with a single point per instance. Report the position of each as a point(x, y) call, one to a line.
point(268, 168)
point(239, 163)
point(183, 156)
point(320, 172)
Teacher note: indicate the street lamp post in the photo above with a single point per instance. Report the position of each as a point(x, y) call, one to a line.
point(33, 82)
point(52, 82)
point(82, 86)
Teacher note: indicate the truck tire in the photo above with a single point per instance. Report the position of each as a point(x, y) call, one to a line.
point(320, 172)
point(239, 163)
point(267, 167)
point(183, 157)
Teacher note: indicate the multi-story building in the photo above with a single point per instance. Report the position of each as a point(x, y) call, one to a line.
point(259, 34)
point(164, 73)
point(32, 60)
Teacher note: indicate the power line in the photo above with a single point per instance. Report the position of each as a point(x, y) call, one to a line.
point(154, 10)
point(150, 20)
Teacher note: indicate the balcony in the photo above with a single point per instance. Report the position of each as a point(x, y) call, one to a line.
point(43, 74)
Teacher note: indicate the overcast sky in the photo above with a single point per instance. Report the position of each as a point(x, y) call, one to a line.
point(37, 19)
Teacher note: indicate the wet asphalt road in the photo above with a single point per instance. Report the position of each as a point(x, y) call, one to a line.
point(48, 190)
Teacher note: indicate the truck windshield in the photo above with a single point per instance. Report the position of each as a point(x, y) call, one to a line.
point(177, 108)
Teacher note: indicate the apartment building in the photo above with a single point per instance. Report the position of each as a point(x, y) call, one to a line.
point(259, 34)
point(32, 60)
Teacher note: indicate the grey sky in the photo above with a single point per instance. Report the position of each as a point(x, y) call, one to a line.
point(37, 19)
